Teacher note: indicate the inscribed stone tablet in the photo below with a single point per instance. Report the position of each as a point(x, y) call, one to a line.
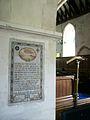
point(26, 71)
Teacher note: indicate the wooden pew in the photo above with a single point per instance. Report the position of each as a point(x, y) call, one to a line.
point(64, 89)
point(64, 86)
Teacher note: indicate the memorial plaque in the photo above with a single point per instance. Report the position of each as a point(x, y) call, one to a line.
point(26, 71)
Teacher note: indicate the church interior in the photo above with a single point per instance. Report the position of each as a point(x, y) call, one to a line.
point(45, 60)
point(73, 13)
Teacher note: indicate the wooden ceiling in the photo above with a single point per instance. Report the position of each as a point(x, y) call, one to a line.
point(72, 9)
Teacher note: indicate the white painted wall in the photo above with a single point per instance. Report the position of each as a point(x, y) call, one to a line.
point(32, 13)
point(82, 37)
point(37, 14)
point(37, 110)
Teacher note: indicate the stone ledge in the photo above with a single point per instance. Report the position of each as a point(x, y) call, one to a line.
point(26, 29)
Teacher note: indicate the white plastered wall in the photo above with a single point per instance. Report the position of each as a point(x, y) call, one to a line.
point(35, 110)
point(32, 13)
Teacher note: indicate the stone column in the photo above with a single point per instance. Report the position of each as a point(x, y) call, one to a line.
point(13, 103)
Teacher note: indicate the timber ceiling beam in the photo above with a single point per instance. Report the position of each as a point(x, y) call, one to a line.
point(82, 7)
point(87, 4)
point(74, 5)
point(66, 10)
point(72, 9)
point(62, 13)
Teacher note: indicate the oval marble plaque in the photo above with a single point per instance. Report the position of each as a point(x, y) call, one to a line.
point(27, 54)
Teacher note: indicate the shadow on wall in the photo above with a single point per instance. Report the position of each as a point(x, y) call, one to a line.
point(84, 47)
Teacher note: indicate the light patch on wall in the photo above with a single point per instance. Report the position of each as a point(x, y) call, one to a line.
point(57, 55)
